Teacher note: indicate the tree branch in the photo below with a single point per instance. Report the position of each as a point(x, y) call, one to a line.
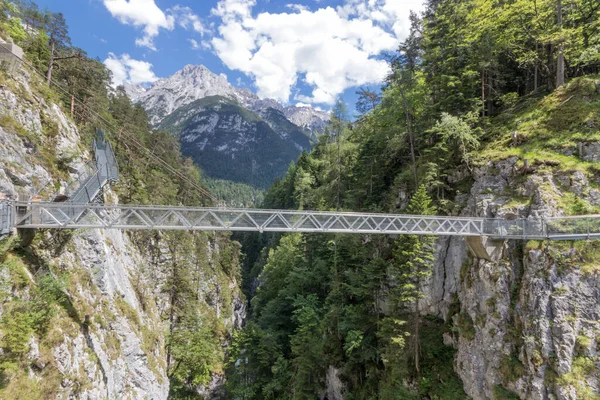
point(76, 55)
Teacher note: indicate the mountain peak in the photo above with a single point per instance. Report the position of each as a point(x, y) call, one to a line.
point(194, 69)
point(196, 81)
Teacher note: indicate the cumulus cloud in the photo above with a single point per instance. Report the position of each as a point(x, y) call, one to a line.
point(141, 13)
point(393, 14)
point(186, 18)
point(127, 70)
point(305, 105)
point(195, 45)
point(147, 15)
point(330, 49)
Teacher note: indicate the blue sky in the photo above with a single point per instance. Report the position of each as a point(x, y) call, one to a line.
point(298, 51)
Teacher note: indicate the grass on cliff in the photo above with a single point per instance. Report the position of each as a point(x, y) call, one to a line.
point(550, 127)
point(581, 370)
point(31, 306)
point(546, 133)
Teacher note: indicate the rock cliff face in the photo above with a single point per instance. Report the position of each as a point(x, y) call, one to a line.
point(107, 340)
point(229, 132)
point(229, 142)
point(526, 322)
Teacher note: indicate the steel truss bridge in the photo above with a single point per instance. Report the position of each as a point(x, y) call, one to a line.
point(26, 215)
point(75, 208)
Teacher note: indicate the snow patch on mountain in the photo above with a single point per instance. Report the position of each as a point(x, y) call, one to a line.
point(307, 117)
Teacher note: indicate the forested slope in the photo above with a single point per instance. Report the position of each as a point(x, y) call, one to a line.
point(475, 119)
point(101, 314)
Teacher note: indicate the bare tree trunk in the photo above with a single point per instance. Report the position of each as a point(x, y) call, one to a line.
point(339, 167)
point(560, 62)
point(417, 342)
point(51, 63)
point(490, 104)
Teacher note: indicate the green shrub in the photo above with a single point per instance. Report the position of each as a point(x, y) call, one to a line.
point(511, 368)
point(501, 393)
point(465, 326)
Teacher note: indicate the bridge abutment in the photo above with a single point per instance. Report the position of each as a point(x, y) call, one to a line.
point(486, 248)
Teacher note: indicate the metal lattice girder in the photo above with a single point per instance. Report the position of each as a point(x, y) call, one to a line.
point(69, 215)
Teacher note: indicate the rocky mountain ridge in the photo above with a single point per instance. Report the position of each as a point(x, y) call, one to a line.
point(195, 82)
point(229, 132)
point(233, 143)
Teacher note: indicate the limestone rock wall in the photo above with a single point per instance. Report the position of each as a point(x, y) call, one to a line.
point(527, 322)
point(110, 342)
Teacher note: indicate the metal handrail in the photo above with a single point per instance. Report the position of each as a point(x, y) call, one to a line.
point(96, 216)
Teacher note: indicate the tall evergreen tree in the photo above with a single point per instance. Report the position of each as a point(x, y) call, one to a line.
point(413, 257)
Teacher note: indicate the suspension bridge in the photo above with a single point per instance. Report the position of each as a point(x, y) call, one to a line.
point(77, 208)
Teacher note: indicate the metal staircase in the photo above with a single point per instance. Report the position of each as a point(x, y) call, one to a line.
point(89, 185)
point(86, 188)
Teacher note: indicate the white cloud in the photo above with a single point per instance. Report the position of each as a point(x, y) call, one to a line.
point(195, 45)
point(331, 49)
point(393, 14)
point(147, 15)
point(305, 105)
point(187, 19)
point(232, 9)
point(141, 13)
point(127, 70)
point(297, 7)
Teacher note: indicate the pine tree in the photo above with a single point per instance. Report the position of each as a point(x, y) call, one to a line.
point(414, 257)
point(367, 100)
point(58, 40)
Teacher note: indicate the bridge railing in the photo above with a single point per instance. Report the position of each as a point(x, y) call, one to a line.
point(105, 158)
point(72, 215)
point(515, 228)
point(85, 174)
point(67, 215)
point(112, 164)
point(574, 227)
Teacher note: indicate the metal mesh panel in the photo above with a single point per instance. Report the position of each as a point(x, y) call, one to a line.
point(5, 219)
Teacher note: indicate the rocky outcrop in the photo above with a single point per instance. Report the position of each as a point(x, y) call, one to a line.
point(528, 321)
point(115, 351)
point(109, 340)
point(195, 82)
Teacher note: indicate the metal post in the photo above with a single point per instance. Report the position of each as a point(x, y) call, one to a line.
point(12, 214)
point(587, 220)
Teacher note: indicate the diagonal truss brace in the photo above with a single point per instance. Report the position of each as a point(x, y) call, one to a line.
point(94, 216)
